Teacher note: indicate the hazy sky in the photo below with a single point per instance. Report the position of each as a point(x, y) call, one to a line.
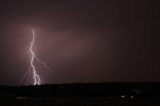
point(81, 40)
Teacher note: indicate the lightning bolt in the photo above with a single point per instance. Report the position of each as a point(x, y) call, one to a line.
point(36, 77)
point(36, 65)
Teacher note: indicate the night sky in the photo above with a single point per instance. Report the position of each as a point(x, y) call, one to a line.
point(81, 40)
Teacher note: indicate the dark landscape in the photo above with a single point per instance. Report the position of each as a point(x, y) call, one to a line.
point(78, 94)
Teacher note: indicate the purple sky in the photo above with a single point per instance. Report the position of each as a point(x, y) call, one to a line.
point(81, 40)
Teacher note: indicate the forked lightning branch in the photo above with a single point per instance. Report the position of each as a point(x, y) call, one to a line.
point(35, 66)
point(36, 77)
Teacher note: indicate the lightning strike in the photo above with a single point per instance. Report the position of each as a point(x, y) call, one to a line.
point(36, 65)
point(36, 77)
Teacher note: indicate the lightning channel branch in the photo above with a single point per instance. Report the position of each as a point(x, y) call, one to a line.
point(36, 77)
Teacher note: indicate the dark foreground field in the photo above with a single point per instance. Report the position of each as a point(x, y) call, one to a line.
point(97, 94)
point(80, 102)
